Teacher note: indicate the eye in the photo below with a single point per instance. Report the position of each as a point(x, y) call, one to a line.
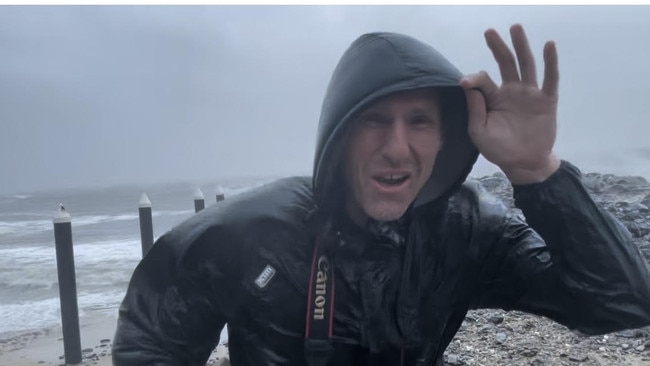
point(422, 120)
point(372, 120)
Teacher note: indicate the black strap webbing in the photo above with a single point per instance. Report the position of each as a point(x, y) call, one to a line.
point(320, 309)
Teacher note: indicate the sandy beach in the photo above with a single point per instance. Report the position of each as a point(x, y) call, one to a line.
point(45, 347)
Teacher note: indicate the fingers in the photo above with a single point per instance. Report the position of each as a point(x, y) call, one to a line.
point(524, 55)
point(477, 112)
point(503, 56)
point(508, 66)
point(478, 89)
point(480, 82)
point(551, 71)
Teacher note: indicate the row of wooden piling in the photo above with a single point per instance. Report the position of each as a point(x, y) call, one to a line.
point(66, 269)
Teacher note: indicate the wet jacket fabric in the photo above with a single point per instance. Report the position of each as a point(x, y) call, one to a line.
point(403, 287)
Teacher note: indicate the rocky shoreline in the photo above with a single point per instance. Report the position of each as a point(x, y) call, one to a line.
point(496, 337)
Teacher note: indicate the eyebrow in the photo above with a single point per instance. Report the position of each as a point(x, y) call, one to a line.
point(376, 110)
point(422, 110)
point(370, 113)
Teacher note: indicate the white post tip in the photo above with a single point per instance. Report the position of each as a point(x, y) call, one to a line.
point(144, 201)
point(198, 195)
point(219, 190)
point(61, 217)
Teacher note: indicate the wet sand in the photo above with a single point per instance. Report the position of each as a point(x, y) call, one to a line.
point(45, 347)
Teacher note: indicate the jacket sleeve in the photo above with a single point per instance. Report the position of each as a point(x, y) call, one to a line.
point(178, 299)
point(585, 273)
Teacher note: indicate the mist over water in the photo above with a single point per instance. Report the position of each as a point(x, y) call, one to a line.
point(106, 245)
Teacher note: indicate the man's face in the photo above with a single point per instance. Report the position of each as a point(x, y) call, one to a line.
point(390, 154)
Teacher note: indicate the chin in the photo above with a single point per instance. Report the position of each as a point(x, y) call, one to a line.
point(383, 213)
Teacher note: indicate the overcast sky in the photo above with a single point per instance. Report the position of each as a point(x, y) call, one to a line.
point(108, 95)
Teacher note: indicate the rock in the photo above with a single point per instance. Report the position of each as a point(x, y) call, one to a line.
point(86, 350)
point(593, 183)
point(224, 362)
point(529, 352)
point(646, 200)
point(631, 333)
point(539, 362)
point(641, 348)
point(105, 340)
point(501, 337)
point(625, 346)
point(528, 325)
point(453, 360)
point(496, 319)
point(578, 358)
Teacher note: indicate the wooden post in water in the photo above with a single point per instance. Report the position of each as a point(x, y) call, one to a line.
point(67, 287)
point(199, 200)
point(146, 224)
point(220, 194)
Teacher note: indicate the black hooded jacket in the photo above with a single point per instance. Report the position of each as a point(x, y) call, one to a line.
point(402, 288)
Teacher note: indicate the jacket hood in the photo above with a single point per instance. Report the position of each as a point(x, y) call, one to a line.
point(377, 65)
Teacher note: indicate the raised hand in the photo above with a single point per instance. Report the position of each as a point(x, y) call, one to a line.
point(514, 125)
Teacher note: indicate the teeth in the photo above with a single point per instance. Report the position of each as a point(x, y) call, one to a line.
point(394, 177)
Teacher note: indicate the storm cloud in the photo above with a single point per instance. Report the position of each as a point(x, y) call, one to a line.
point(100, 95)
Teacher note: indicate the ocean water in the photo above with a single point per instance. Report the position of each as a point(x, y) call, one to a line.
point(106, 244)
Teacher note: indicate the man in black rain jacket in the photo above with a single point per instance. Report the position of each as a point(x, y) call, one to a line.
point(378, 257)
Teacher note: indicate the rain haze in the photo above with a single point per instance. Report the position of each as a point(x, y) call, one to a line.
point(103, 95)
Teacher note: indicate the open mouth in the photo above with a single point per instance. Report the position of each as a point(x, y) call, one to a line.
point(391, 179)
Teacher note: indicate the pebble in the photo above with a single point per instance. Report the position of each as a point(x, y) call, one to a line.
point(501, 337)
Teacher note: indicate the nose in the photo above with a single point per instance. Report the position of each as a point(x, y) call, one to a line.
point(396, 147)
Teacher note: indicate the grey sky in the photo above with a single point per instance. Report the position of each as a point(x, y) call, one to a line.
point(104, 95)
